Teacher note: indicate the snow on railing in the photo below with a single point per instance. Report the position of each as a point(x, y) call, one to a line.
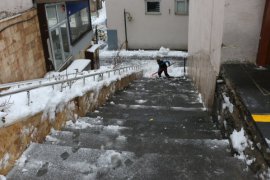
point(69, 81)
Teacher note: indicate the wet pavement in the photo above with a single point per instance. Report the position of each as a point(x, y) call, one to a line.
point(252, 84)
point(154, 129)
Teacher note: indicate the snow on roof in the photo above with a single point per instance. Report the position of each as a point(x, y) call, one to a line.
point(79, 64)
point(93, 48)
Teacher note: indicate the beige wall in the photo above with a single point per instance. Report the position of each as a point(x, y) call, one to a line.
point(21, 51)
point(242, 27)
point(148, 31)
point(234, 25)
point(15, 6)
point(204, 46)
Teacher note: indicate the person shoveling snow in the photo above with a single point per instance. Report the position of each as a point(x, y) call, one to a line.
point(163, 67)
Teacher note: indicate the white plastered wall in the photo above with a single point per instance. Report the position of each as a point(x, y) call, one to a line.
point(148, 31)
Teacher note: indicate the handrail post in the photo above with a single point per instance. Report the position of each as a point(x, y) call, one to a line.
point(28, 98)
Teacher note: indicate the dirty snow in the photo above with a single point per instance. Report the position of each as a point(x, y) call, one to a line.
point(101, 19)
point(142, 53)
point(4, 161)
point(239, 142)
point(20, 162)
point(227, 103)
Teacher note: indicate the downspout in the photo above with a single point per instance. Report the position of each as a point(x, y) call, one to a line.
point(126, 41)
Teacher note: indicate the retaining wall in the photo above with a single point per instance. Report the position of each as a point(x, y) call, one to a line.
point(15, 138)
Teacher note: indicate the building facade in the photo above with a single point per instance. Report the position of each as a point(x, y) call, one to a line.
point(230, 30)
point(147, 24)
point(66, 30)
point(40, 36)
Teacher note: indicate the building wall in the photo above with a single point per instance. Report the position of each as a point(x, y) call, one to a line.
point(204, 45)
point(242, 27)
point(148, 31)
point(21, 51)
point(228, 31)
point(15, 6)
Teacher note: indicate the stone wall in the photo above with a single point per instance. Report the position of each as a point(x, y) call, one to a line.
point(14, 139)
point(21, 51)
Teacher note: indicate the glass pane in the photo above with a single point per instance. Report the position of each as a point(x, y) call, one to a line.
point(61, 10)
point(65, 40)
point(181, 7)
point(57, 50)
point(51, 15)
point(79, 23)
point(153, 7)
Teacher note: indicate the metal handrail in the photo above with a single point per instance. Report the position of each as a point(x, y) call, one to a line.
point(27, 82)
point(29, 88)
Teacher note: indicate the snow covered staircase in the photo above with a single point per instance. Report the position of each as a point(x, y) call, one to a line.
point(155, 129)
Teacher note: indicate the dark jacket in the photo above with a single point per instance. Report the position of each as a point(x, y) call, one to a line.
point(162, 64)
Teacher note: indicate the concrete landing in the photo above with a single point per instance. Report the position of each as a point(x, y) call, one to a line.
point(253, 86)
point(155, 129)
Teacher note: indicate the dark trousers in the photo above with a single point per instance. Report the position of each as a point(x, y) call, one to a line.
point(160, 70)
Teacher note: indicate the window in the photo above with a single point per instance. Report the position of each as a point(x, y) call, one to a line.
point(51, 15)
point(152, 7)
point(79, 19)
point(181, 7)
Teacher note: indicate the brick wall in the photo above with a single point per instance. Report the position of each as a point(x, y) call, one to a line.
point(21, 51)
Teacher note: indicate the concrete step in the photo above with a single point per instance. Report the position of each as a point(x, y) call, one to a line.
point(200, 123)
point(136, 144)
point(44, 161)
point(157, 113)
point(146, 130)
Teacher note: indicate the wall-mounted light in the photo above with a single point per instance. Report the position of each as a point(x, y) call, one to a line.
point(129, 17)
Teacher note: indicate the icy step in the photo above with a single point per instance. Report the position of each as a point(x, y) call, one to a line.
point(136, 144)
point(43, 161)
point(141, 129)
point(146, 99)
point(199, 123)
point(156, 113)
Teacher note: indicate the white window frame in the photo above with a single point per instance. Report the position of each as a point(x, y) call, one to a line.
point(187, 7)
point(152, 13)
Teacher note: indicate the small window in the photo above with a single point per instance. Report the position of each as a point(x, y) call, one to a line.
point(152, 7)
point(181, 7)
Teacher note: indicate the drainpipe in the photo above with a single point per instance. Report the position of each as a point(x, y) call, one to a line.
point(126, 41)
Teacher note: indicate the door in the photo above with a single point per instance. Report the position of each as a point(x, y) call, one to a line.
point(57, 48)
point(263, 58)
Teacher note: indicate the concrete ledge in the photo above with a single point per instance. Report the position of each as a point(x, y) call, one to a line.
point(16, 138)
point(237, 118)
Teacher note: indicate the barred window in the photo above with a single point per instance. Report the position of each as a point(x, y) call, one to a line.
point(152, 6)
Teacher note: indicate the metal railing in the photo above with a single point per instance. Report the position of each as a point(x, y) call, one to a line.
point(69, 81)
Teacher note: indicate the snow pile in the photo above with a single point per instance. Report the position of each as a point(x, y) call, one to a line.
point(163, 51)
point(227, 103)
point(101, 19)
point(239, 142)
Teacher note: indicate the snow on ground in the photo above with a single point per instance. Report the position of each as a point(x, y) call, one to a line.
point(163, 52)
point(101, 16)
point(2, 177)
point(50, 99)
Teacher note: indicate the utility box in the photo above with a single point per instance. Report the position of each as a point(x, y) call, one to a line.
point(93, 54)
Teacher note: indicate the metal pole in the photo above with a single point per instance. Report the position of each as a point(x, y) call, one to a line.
point(96, 35)
point(125, 29)
point(184, 66)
